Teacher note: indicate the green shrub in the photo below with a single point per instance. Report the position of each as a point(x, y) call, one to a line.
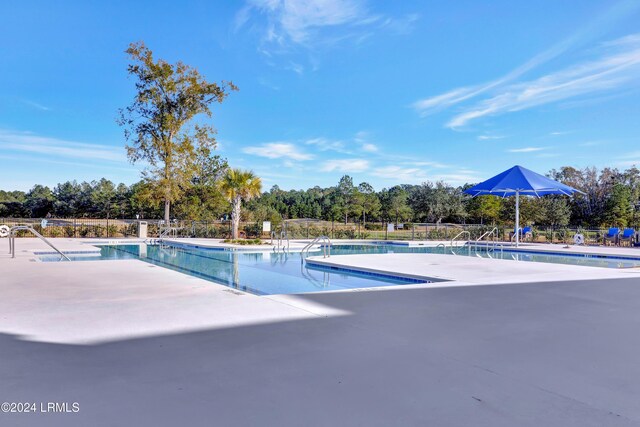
point(243, 242)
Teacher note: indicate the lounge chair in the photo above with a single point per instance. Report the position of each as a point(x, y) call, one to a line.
point(525, 233)
point(612, 236)
point(628, 235)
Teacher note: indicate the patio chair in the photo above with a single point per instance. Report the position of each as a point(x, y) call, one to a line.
point(525, 233)
point(628, 235)
point(612, 236)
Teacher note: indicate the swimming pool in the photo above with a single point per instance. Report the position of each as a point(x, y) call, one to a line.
point(261, 273)
point(266, 273)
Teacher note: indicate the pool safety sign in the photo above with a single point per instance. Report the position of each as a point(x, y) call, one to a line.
point(266, 226)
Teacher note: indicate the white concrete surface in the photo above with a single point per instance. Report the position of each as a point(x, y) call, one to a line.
point(469, 270)
point(135, 344)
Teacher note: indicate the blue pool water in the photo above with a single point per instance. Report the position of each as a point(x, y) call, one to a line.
point(266, 273)
point(262, 273)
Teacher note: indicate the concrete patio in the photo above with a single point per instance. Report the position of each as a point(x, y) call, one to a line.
point(135, 344)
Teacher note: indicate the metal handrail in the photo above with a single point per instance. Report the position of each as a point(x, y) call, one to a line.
point(12, 240)
point(493, 232)
point(460, 234)
point(165, 231)
point(326, 247)
point(283, 236)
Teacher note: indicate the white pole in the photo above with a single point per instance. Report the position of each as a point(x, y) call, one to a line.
point(517, 218)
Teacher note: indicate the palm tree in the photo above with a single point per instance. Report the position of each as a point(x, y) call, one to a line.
point(238, 185)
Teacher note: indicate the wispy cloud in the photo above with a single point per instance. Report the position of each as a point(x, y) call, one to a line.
point(427, 163)
point(277, 150)
point(525, 150)
point(345, 165)
point(298, 21)
point(514, 97)
point(294, 26)
point(326, 144)
point(619, 66)
point(35, 105)
point(412, 175)
point(409, 175)
point(47, 146)
point(489, 137)
point(401, 25)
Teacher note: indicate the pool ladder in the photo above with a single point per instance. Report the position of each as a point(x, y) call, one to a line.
point(280, 241)
point(12, 240)
point(325, 245)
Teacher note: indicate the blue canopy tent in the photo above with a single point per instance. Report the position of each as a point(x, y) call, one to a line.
point(517, 181)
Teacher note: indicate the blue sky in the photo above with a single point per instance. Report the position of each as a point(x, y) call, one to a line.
point(387, 92)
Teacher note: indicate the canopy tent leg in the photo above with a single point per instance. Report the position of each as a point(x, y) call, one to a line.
point(517, 218)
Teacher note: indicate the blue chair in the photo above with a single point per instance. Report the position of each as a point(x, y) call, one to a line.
point(612, 236)
point(628, 235)
point(526, 232)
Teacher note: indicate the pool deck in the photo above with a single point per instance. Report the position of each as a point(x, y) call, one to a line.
point(136, 344)
point(464, 270)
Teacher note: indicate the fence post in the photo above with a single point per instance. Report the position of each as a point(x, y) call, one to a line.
point(75, 229)
point(107, 227)
point(413, 232)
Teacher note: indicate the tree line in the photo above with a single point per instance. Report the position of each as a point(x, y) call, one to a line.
point(612, 197)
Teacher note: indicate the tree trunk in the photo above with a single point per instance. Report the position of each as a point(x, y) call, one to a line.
point(235, 217)
point(167, 213)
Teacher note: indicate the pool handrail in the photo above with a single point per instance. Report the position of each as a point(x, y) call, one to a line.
point(455, 238)
point(326, 247)
point(12, 240)
point(493, 232)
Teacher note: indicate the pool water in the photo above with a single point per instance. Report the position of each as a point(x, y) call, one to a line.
point(266, 273)
point(262, 273)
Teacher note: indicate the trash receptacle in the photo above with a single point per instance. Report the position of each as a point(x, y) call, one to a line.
point(142, 229)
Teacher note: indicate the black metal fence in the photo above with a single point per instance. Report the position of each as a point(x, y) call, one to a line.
point(294, 229)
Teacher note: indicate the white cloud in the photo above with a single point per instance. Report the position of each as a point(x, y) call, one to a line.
point(362, 138)
point(428, 163)
point(401, 174)
point(35, 105)
point(288, 27)
point(489, 137)
point(276, 150)
point(525, 149)
point(370, 148)
point(46, 146)
point(345, 165)
point(296, 21)
point(325, 144)
point(401, 25)
point(412, 175)
point(604, 20)
point(608, 72)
